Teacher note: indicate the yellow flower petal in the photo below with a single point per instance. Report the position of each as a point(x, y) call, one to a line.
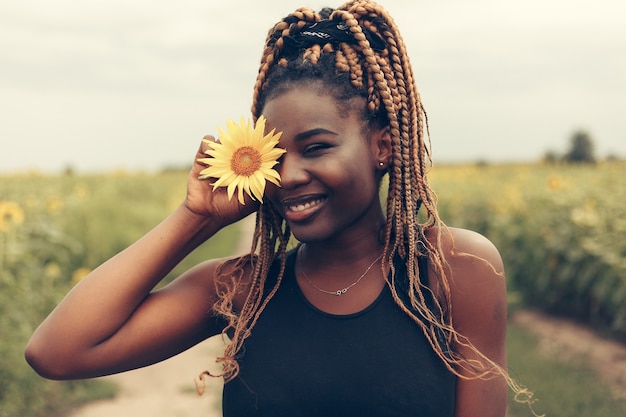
point(11, 215)
point(225, 178)
point(243, 159)
point(257, 185)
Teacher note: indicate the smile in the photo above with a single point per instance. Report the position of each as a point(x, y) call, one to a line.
point(301, 209)
point(303, 206)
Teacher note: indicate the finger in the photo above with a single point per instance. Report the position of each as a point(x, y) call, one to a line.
point(210, 138)
point(206, 140)
point(204, 146)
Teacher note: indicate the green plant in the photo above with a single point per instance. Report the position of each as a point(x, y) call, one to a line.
point(560, 231)
point(561, 387)
point(53, 230)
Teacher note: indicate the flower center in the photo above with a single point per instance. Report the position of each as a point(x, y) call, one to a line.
point(245, 161)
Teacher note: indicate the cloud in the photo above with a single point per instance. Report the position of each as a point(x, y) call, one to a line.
point(99, 84)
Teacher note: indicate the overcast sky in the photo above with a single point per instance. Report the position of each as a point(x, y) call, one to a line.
point(135, 84)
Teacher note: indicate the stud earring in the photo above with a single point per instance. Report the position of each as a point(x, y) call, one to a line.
point(381, 164)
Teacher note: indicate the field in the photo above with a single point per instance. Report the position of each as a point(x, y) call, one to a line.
point(561, 231)
point(53, 231)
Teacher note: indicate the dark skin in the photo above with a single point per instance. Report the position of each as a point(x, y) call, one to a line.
point(338, 169)
point(113, 321)
point(331, 168)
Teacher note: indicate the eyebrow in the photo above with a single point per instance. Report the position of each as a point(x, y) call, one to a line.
point(313, 132)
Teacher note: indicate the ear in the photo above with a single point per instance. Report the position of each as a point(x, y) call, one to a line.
point(381, 148)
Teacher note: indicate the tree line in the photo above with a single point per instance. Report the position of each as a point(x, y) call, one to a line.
point(581, 150)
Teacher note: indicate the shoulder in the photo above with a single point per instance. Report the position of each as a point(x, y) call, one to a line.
point(468, 256)
point(476, 280)
point(474, 263)
point(463, 247)
point(478, 303)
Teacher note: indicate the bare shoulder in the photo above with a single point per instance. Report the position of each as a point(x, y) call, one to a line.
point(475, 273)
point(468, 255)
point(463, 247)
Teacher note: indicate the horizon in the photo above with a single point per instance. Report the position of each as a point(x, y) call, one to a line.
point(118, 85)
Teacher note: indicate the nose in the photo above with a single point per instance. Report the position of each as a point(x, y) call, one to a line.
point(292, 171)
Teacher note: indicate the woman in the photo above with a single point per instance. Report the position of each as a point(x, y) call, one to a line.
point(372, 312)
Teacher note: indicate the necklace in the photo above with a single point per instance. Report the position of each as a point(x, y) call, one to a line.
point(341, 291)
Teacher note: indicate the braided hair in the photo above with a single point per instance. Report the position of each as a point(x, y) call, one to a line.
point(356, 51)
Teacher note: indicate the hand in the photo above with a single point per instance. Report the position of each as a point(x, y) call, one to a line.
point(204, 201)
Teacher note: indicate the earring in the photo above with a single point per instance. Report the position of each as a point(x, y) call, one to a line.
point(381, 164)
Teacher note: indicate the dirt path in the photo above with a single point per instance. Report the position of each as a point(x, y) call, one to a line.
point(560, 337)
point(162, 390)
point(167, 389)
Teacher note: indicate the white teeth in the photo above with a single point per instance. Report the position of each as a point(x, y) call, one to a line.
point(303, 206)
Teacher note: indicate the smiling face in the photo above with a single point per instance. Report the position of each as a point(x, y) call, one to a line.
point(330, 172)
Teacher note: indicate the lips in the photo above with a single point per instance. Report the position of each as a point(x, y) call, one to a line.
point(302, 208)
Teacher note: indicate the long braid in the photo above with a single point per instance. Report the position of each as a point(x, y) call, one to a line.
point(408, 192)
point(405, 107)
point(406, 123)
point(384, 78)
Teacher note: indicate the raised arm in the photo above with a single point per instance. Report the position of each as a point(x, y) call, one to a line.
point(112, 321)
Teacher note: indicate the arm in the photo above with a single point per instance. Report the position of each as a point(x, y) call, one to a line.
point(111, 321)
point(479, 312)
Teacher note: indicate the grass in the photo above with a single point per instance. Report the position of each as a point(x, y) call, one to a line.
point(562, 387)
point(60, 226)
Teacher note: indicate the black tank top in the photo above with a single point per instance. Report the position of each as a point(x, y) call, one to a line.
point(301, 361)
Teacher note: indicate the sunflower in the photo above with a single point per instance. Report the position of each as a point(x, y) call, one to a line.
point(11, 214)
point(243, 158)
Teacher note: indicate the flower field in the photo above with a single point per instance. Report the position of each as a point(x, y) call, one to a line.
point(561, 231)
point(53, 231)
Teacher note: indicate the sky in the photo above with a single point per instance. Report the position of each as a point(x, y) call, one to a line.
point(101, 85)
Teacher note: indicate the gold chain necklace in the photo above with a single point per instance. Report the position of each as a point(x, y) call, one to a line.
point(341, 291)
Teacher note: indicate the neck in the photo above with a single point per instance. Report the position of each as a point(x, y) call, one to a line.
point(345, 251)
point(354, 278)
point(362, 240)
point(339, 260)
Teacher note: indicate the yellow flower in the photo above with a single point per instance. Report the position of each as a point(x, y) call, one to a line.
point(54, 204)
point(52, 270)
point(11, 214)
point(81, 191)
point(79, 274)
point(555, 183)
point(243, 159)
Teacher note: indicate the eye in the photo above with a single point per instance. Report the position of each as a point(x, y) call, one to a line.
point(316, 149)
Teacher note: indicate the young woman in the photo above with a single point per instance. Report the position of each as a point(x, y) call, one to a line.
point(374, 311)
